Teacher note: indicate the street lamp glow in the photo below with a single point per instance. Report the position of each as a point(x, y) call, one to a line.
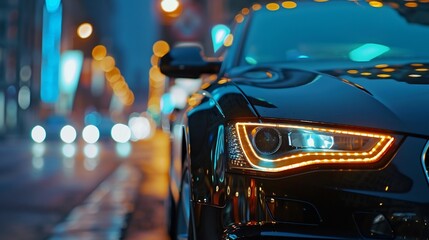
point(68, 134)
point(38, 134)
point(121, 133)
point(90, 134)
point(84, 30)
point(169, 6)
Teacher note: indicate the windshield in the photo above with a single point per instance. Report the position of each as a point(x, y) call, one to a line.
point(342, 32)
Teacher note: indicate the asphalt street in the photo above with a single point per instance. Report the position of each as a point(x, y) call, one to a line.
point(80, 191)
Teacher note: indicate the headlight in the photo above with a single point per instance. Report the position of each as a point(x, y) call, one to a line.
point(280, 147)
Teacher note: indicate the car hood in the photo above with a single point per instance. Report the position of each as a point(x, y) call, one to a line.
point(389, 99)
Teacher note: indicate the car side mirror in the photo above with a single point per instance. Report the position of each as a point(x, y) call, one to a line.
point(187, 62)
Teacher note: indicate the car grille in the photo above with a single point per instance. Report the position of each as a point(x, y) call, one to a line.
point(425, 160)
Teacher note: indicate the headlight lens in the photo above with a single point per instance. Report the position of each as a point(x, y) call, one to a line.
point(280, 147)
point(266, 140)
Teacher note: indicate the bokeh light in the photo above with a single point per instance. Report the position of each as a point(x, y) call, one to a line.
point(91, 151)
point(121, 133)
point(169, 6)
point(38, 150)
point(68, 134)
point(140, 128)
point(123, 150)
point(69, 150)
point(90, 134)
point(38, 134)
point(99, 52)
point(84, 30)
point(24, 97)
point(160, 48)
point(108, 64)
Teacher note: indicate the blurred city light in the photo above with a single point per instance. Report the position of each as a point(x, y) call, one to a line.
point(92, 118)
point(38, 163)
point(140, 128)
point(108, 64)
point(38, 150)
point(123, 150)
point(51, 43)
point(91, 150)
point(71, 67)
point(52, 5)
point(169, 6)
point(97, 79)
point(90, 164)
point(38, 134)
point(99, 52)
point(90, 134)
point(179, 97)
point(68, 134)
point(167, 104)
point(189, 85)
point(69, 150)
point(160, 48)
point(121, 133)
point(24, 97)
point(25, 73)
point(84, 30)
point(219, 33)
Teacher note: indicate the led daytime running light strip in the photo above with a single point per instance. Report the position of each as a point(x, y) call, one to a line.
point(385, 142)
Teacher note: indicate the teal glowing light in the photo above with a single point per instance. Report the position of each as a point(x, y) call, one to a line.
point(219, 33)
point(367, 52)
point(52, 5)
point(167, 104)
point(71, 67)
point(51, 43)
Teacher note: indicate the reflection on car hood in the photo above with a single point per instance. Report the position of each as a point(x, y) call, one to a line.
point(383, 97)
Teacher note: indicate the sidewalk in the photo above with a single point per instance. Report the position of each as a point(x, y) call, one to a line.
point(129, 204)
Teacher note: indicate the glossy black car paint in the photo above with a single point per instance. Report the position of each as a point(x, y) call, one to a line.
point(383, 201)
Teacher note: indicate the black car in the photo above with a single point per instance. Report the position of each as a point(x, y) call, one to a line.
point(317, 125)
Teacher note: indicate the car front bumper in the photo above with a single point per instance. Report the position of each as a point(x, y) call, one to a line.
point(392, 202)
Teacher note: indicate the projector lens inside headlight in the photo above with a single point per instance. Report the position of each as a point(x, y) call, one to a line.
point(279, 147)
point(266, 140)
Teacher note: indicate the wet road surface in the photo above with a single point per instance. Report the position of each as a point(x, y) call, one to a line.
point(102, 191)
